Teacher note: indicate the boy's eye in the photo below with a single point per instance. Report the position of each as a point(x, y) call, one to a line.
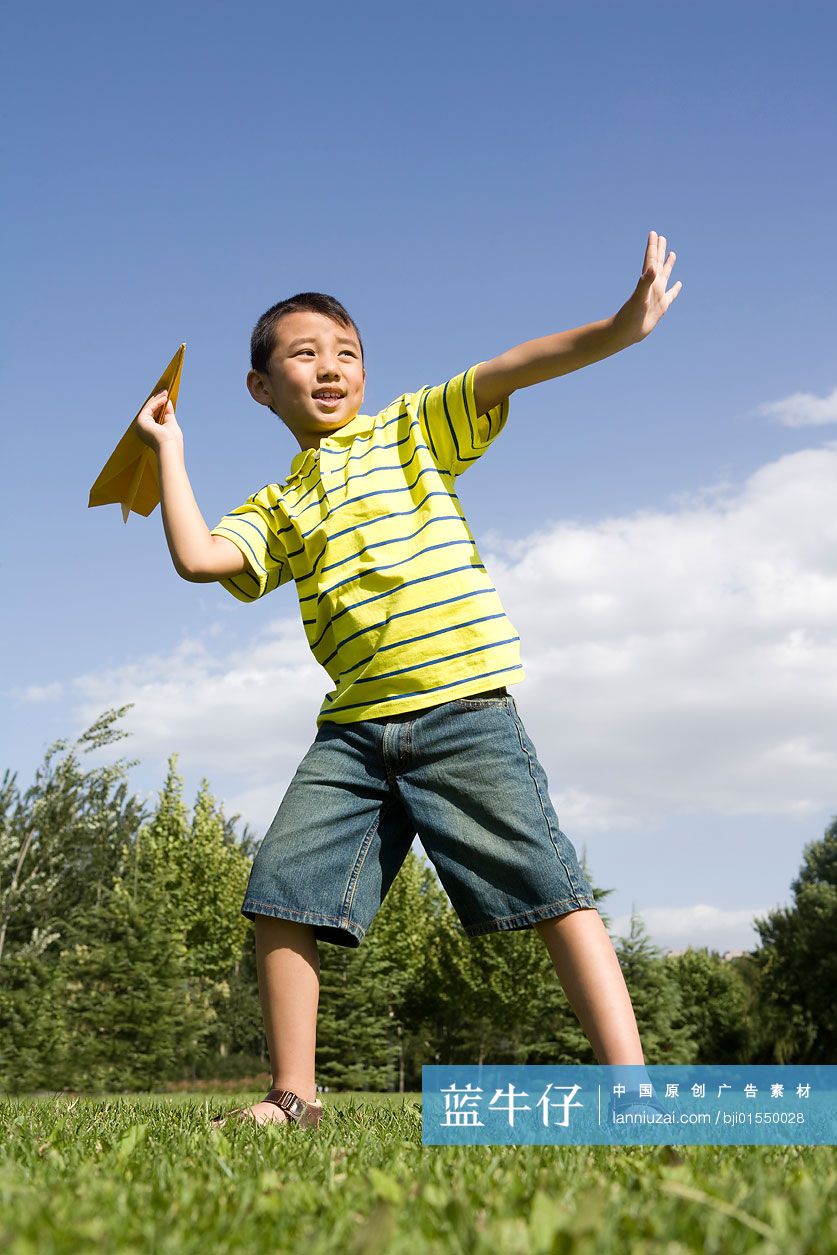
point(350, 352)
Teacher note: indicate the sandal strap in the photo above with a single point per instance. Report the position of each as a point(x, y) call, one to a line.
point(293, 1106)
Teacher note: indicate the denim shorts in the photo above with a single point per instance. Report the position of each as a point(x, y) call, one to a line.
point(464, 777)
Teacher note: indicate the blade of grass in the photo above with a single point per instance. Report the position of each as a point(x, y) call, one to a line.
point(695, 1195)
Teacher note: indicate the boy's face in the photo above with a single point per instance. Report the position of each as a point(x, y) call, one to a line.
point(312, 356)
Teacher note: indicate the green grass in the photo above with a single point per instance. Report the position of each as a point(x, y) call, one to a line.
point(144, 1173)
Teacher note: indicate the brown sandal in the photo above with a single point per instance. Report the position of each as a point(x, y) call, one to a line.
point(304, 1114)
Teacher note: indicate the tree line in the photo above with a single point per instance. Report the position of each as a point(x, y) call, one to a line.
point(125, 962)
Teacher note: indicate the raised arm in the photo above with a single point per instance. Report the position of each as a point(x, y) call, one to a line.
point(566, 351)
point(196, 555)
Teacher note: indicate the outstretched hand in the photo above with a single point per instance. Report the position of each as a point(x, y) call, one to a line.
point(650, 300)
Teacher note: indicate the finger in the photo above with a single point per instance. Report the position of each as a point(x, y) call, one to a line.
point(650, 251)
point(661, 251)
point(674, 293)
point(154, 401)
point(672, 257)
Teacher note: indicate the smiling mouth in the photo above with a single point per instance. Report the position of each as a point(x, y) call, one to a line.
point(330, 399)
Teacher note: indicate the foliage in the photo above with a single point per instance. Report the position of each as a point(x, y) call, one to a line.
point(797, 962)
point(62, 842)
point(120, 942)
point(134, 1010)
point(658, 1005)
point(714, 1001)
point(125, 960)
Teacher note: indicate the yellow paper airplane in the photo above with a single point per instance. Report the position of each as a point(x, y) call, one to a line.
point(130, 473)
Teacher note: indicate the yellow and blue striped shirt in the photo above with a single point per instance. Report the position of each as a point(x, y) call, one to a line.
point(396, 603)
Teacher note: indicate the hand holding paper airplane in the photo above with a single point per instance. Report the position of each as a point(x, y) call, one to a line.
point(130, 473)
point(156, 422)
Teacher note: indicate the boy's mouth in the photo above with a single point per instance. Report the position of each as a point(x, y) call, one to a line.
point(329, 400)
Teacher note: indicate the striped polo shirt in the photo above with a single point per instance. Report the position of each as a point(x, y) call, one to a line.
point(396, 602)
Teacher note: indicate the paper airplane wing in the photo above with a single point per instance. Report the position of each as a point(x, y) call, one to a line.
point(130, 474)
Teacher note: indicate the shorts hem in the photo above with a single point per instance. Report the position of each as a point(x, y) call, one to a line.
point(333, 928)
point(525, 919)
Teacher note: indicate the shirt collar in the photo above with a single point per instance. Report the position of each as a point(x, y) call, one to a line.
point(360, 425)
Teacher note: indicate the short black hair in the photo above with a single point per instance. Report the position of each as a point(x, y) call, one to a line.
point(263, 339)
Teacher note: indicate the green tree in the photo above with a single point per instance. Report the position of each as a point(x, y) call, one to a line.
point(62, 843)
point(401, 934)
point(64, 840)
point(134, 1010)
point(34, 1028)
point(715, 1002)
point(657, 1001)
point(355, 1049)
point(797, 963)
point(197, 873)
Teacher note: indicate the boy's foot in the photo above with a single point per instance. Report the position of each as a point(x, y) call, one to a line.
point(632, 1104)
point(278, 1106)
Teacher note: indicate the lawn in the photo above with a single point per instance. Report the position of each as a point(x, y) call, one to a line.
point(145, 1173)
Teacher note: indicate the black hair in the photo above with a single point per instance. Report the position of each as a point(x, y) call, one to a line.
point(263, 339)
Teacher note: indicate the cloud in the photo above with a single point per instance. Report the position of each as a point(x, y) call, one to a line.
point(681, 661)
point(802, 409)
point(242, 713)
point(675, 927)
point(43, 692)
point(685, 660)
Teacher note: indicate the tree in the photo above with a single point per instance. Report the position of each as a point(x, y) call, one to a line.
point(656, 998)
point(401, 934)
point(63, 841)
point(354, 1043)
point(797, 962)
point(197, 874)
point(715, 1005)
point(135, 1012)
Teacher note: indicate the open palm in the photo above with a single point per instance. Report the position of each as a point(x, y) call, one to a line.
point(650, 300)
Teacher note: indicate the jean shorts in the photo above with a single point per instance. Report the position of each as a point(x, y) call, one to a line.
point(464, 777)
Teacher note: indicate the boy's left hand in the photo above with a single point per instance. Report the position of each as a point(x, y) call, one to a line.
point(644, 309)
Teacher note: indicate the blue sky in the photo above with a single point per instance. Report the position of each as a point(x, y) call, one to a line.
point(463, 178)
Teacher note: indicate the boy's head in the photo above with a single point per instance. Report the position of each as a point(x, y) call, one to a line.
point(302, 349)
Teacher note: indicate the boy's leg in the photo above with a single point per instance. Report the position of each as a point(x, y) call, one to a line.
point(288, 966)
point(322, 870)
point(480, 800)
point(589, 971)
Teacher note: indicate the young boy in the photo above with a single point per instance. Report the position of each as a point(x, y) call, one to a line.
point(419, 733)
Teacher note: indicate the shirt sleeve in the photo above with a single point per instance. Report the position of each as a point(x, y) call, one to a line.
point(252, 528)
point(447, 413)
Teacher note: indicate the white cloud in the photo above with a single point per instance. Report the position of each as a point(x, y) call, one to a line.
point(679, 661)
point(240, 712)
point(685, 660)
point(674, 928)
point(802, 409)
point(43, 692)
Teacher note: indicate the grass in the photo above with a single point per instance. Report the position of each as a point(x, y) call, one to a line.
point(144, 1173)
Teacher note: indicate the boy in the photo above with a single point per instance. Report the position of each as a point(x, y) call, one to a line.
point(419, 734)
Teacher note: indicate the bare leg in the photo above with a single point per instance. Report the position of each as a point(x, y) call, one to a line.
point(589, 971)
point(288, 964)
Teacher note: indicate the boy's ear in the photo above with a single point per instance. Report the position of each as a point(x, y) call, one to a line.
point(258, 389)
